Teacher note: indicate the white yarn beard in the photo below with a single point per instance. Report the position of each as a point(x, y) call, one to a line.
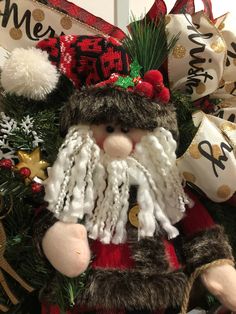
point(86, 183)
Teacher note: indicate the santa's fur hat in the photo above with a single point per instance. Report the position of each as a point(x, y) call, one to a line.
point(99, 68)
point(107, 105)
point(85, 60)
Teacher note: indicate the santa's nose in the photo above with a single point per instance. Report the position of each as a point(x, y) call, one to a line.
point(118, 145)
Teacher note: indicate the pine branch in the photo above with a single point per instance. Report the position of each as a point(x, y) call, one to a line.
point(31, 131)
point(147, 42)
point(21, 252)
point(12, 184)
point(184, 109)
point(47, 126)
point(18, 107)
point(68, 289)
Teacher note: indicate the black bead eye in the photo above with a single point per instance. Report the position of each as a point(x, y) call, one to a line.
point(110, 129)
point(124, 129)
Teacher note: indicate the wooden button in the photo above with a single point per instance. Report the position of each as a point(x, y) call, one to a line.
point(133, 216)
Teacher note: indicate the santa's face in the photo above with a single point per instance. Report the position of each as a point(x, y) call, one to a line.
point(95, 168)
point(116, 141)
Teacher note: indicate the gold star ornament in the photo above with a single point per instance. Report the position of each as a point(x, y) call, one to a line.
point(33, 162)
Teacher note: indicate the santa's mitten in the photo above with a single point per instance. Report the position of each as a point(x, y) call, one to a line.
point(221, 281)
point(66, 247)
point(208, 252)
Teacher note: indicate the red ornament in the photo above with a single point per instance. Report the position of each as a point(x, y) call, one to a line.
point(36, 187)
point(113, 78)
point(144, 89)
point(205, 105)
point(153, 77)
point(25, 172)
point(159, 87)
point(6, 164)
point(164, 95)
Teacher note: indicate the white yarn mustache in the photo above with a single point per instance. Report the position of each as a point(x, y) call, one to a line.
point(85, 183)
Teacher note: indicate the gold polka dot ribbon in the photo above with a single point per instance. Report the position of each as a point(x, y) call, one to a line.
point(197, 62)
point(209, 163)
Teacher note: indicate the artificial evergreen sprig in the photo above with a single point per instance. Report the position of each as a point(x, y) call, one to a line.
point(12, 184)
point(184, 109)
point(28, 132)
point(147, 43)
point(68, 289)
point(30, 120)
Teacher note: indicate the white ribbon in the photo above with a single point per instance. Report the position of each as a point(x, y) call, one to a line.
point(196, 63)
point(203, 61)
point(209, 162)
point(24, 22)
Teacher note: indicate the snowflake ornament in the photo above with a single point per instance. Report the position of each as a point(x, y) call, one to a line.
point(8, 127)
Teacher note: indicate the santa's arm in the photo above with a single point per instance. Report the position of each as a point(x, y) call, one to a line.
point(205, 241)
point(65, 245)
point(205, 244)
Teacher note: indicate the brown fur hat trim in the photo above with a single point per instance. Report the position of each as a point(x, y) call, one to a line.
point(114, 105)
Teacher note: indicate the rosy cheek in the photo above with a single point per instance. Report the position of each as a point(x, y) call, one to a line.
point(99, 134)
point(134, 145)
point(100, 142)
point(134, 142)
point(136, 136)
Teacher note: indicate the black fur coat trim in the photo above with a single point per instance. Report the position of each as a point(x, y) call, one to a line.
point(152, 284)
point(43, 221)
point(208, 246)
point(132, 290)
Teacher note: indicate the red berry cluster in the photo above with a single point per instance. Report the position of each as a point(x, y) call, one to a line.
point(25, 172)
point(36, 187)
point(205, 105)
point(152, 86)
point(6, 164)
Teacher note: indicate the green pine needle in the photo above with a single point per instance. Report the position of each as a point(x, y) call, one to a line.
point(68, 289)
point(147, 42)
point(184, 109)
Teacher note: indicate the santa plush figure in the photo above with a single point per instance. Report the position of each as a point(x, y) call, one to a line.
point(114, 193)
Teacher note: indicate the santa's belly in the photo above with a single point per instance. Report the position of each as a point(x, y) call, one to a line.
point(139, 275)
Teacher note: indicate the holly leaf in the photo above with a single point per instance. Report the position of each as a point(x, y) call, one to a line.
point(124, 82)
point(135, 69)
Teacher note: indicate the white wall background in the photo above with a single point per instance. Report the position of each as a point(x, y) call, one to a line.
point(118, 11)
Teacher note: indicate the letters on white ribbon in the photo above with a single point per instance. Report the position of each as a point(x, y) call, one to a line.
point(196, 63)
point(209, 162)
point(24, 22)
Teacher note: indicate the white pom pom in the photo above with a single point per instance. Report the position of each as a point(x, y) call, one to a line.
point(29, 73)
